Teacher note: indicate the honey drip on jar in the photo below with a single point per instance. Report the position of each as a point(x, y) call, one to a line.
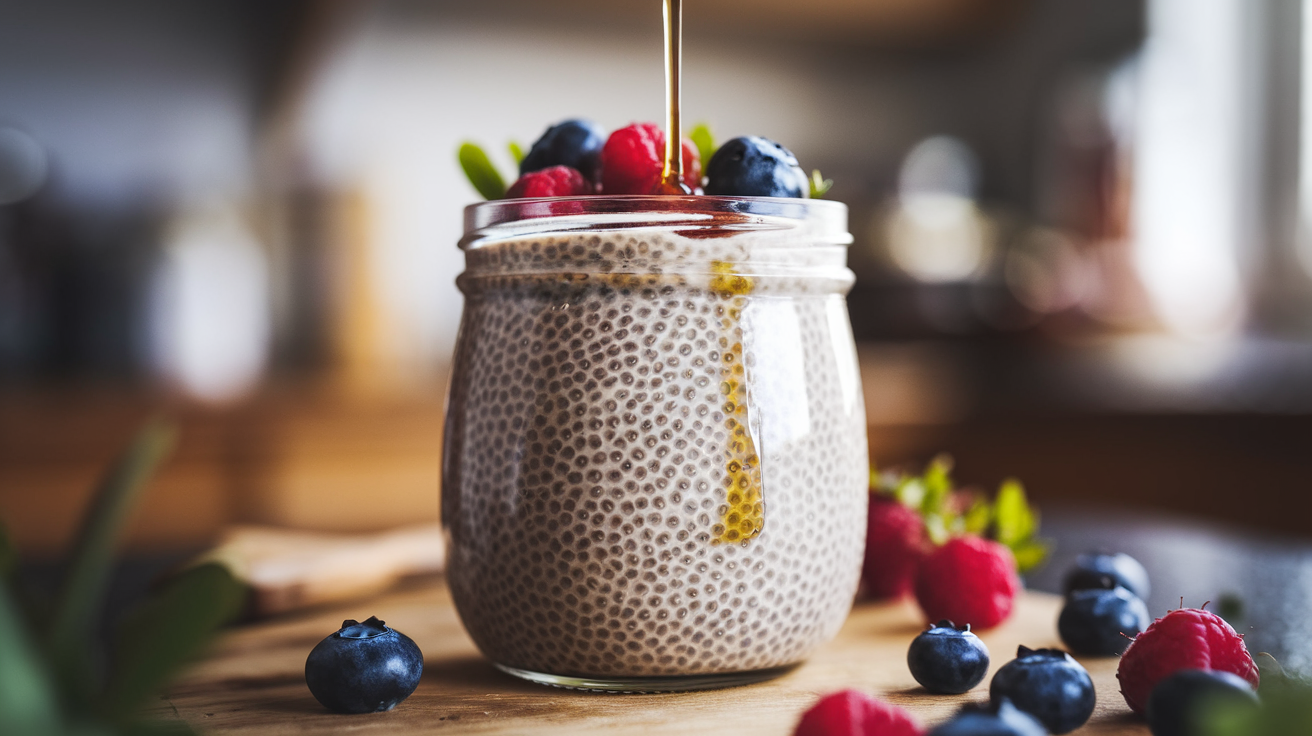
point(744, 517)
point(672, 173)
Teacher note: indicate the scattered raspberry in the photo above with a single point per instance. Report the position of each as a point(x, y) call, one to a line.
point(895, 544)
point(969, 580)
point(853, 713)
point(555, 181)
point(632, 159)
point(1188, 638)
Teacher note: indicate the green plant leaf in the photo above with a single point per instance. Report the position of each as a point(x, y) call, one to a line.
point(167, 631)
point(1030, 554)
point(937, 482)
point(702, 138)
point(516, 152)
point(1014, 521)
point(977, 517)
point(480, 171)
point(74, 618)
point(27, 698)
point(820, 186)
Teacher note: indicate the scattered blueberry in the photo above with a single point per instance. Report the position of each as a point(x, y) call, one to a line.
point(752, 166)
point(363, 668)
point(1102, 622)
point(573, 143)
point(1125, 571)
point(1049, 685)
point(1180, 704)
point(998, 718)
point(947, 660)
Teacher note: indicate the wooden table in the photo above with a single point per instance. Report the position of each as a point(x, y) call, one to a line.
point(253, 680)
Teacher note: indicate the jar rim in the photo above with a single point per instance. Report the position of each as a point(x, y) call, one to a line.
point(827, 217)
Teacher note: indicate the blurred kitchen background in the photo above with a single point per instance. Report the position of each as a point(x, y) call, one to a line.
point(1082, 237)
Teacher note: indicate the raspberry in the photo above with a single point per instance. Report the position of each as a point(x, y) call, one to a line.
point(895, 544)
point(1187, 638)
point(632, 159)
point(555, 181)
point(968, 580)
point(853, 713)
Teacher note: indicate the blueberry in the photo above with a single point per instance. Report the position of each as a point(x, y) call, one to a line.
point(948, 660)
point(573, 143)
point(1049, 685)
point(1101, 622)
point(1182, 703)
point(1125, 571)
point(999, 718)
point(752, 166)
point(363, 668)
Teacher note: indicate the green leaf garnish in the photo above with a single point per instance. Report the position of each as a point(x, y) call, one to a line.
point(516, 152)
point(480, 172)
point(27, 696)
point(705, 142)
point(820, 186)
point(948, 511)
point(168, 631)
point(73, 623)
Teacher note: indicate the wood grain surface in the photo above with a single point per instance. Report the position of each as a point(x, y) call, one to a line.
point(253, 681)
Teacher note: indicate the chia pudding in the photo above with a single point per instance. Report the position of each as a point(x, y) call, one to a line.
point(655, 454)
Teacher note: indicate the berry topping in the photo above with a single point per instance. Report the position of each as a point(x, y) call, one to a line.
point(947, 660)
point(970, 580)
point(1186, 638)
point(1182, 704)
point(573, 143)
point(556, 181)
point(895, 544)
point(1091, 569)
point(756, 167)
point(998, 718)
point(1049, 685)
point(363, 668)
point(633, 157)
point(853, 713)
point(1101, 622)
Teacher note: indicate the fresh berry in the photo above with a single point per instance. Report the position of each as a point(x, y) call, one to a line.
point(895, 544)
point(1124, 570)
point(1101, 622)
point(998, 718)
point(1049, 685)
point(1183, 639)
point(853, 713)
point(752, 166)
point(556, 181)
point(573, 143)
point(363, 668)
point(1181, 705)
point(947, 660)
point(969, 580)
point(633, 157)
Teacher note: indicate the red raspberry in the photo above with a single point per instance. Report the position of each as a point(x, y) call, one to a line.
point(895, 544)
point(555, 181)
point(969, 580)
point(853, 713)
point(1188, 638)
point(633, 157)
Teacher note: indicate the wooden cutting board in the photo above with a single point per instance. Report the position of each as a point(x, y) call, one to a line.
point(253, 680)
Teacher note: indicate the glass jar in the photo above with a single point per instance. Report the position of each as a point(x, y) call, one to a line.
point(655, 466)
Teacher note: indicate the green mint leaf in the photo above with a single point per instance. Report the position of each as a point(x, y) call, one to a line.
point(1030, 554)
point(937, 484)
point(820, 186)
point(481, 173)
point(705, 142)
point(516, 152)
point(936, 529)
point(977, 517)
point(72, 626)
point(167, 631)
point(27, 697)
point(1014, 521)
point(910, 492)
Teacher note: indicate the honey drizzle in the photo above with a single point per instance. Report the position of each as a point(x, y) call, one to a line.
point(744, 517)
point(671, 181)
